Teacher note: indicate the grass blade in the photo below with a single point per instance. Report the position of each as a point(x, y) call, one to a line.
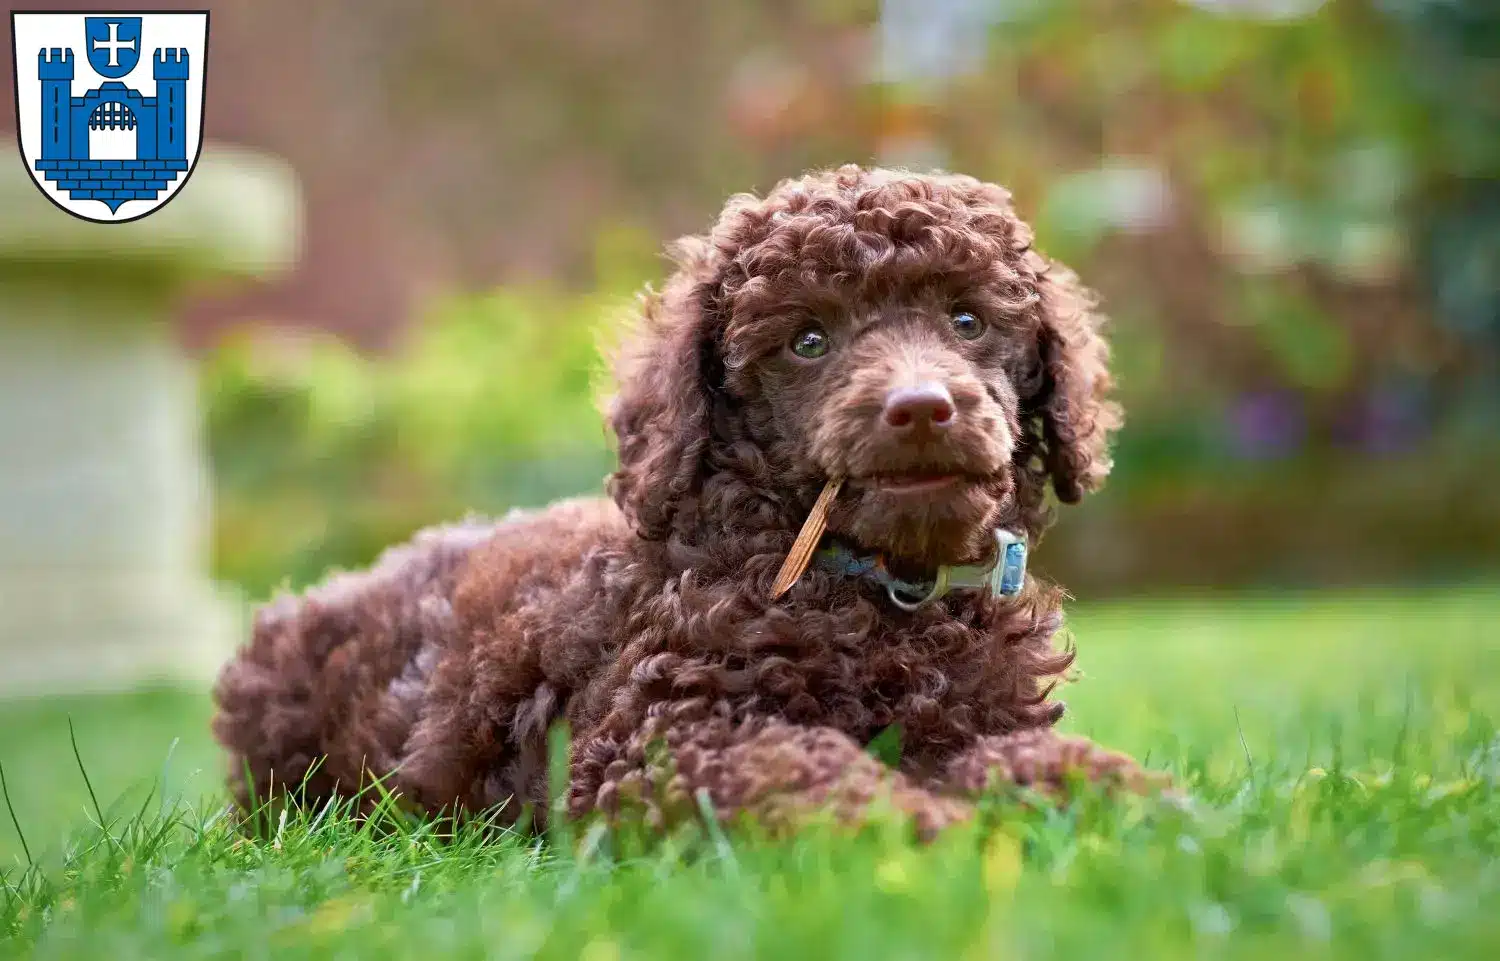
point(5, 789)
point(93, 798)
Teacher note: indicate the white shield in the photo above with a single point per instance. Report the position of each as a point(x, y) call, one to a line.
point(110, 148)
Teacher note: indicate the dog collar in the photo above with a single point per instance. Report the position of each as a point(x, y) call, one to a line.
point(1003, 575)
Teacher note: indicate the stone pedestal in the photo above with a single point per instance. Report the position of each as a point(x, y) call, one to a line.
point(104, 487)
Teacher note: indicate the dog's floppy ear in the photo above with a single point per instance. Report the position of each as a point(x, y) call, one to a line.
point(660, 411)
point(1077, 416)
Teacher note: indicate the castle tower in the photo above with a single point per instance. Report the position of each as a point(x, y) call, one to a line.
point(55, 68)
point(170, 68)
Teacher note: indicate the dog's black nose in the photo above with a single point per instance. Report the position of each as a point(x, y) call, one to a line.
point(926, 406)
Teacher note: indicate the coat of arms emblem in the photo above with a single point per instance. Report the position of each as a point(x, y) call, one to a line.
point(110, 107)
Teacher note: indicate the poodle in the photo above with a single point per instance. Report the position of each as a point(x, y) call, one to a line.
point(886, 336)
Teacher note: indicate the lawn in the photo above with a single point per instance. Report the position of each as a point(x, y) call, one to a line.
point(1339, 753)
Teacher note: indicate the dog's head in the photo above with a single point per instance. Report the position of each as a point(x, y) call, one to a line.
point(893, 329)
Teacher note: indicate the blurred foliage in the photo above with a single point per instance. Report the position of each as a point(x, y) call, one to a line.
point(324, 456)
point(1290, 207)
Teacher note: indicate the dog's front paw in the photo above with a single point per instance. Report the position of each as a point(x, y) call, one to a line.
point(1049, 763)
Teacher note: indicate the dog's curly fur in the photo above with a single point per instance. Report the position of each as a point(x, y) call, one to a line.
point(645, 621)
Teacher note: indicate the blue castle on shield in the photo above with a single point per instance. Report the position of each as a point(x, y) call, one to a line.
point(159, 122)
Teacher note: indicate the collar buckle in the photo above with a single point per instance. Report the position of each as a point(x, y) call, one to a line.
point(895, 587)
point(1003, 575)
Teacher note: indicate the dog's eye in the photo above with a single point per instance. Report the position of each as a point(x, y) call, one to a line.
point(810, 344)
point(967, 326)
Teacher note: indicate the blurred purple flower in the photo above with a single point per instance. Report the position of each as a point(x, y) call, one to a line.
point(1266, 425)
point(1387, 419)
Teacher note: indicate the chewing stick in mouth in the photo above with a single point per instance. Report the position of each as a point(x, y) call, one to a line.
point(807, 539)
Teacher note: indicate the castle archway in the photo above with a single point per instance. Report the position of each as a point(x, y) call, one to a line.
point(113, 131)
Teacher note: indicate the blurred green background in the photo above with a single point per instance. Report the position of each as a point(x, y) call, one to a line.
point(1290, 207)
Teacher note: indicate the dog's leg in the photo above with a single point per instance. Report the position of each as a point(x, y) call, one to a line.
point(1044, 761)
point(777, 774)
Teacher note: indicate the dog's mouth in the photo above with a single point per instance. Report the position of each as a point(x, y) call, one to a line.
point(915, 482)
point(927, 480)
point(919, 516)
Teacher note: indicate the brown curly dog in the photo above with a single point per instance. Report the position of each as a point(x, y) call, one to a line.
point(889, 329)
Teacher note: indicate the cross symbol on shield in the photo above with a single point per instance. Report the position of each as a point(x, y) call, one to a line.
point(114, 45)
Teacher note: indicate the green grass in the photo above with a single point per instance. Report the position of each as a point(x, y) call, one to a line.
point(1340, 753)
